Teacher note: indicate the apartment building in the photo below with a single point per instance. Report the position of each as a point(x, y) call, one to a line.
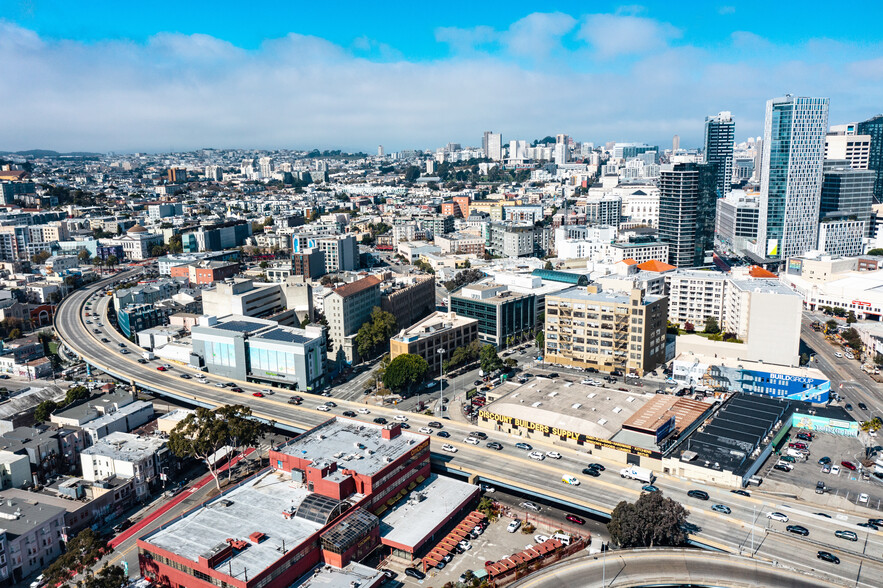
point(435, 338)
point(33, 536)
point(128, 456)
point(347, 308)
point(588, 328)
point(693, 296)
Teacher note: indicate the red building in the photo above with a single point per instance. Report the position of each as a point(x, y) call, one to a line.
point(205, 272)
point(319, 502)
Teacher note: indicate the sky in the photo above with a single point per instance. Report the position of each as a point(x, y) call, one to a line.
point(172, 76)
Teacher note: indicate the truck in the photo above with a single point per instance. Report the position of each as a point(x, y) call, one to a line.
point(148, 355)
point(637, 473)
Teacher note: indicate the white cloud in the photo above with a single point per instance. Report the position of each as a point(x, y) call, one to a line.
point(537, 35)
point(614, 35)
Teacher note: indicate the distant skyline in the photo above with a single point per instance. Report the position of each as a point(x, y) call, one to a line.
point(108, 76)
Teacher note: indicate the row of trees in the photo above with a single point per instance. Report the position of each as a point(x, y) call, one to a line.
point(463, 278)
point(374, 335)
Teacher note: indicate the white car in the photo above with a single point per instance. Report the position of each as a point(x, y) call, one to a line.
point(777, 516)
point(401, 418)
point(425, 430)
point(465, 545)
point(553, 454)
point(537, 455)
point(267, 391)
point(363, 411)
point(838, 354)
point(323, 408)
point(449, 448)
point(587, 382)
point(471, 440)
point(514, 526)
point(835, 470)
point(572, 480)
point(863, 497)
point(540, 538)
point(850, 356)
point(477, 530)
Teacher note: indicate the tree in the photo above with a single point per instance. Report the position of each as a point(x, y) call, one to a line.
point(412, 173)
point(76, 393)
point(41, 257)
point(44, 410)
point(242, 430)
point(110, 576)
point(404, 371)
point(688, 326)
point(652, 520)
point(376, 332)
point(830, 325)
point(15, 334)
point(82, 551)
point(549, 266)
point(84, 255)
point(423, 266)
point(541, 341)
point(850, 318)
point(711, 325)
point(112, 261)
point(490, 361)
point(876, 251)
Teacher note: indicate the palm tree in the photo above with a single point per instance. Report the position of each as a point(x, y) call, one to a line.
point(870, 428)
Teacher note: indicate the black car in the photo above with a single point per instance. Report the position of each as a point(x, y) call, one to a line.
point(878, 522)
point(415, 573)
point(330, 404)
point(868, 526)
point(184, 376)
point(295, 400)
point(478, 435)
point(597, 466)
point(821, 514)
point(380, 421)
point(142, 361)
point(349, 413)
point(863, 406)
point(847, 407)
point(443, 434)
point(591, 472)
point(434, 424)
point(740, 492)
point(495, 445)
point(552, 375)
point(797, 530)
point(477, 383)
point(782, 467)
point(404, 425)
point(828, 556)
point(700, 494)
point(105, 340)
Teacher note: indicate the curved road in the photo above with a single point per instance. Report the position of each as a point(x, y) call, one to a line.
point(675, 567)
point(745, 530)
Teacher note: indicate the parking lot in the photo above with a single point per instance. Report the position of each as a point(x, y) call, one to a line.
point(843, 483)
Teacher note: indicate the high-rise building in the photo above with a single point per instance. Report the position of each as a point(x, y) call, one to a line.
point(687, 199)
point(791, 181)
point(847, 192)
point(492, 144)
point(266, 164)
point(380, 151)
point(758, 159)
point(675, 143)
point(874, 128)
point(720, 131)
point(842, 142)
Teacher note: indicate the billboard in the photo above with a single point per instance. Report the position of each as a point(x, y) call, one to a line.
point(826, 425)
point(795, 266)
point(753, 381)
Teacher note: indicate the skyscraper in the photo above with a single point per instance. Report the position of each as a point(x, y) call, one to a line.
point(874, 128)
point(675, 143)
point(687, 201)
point(847, 192)
point(791, 181)
point(380, 152)
point(719, 133)
point(492, 145)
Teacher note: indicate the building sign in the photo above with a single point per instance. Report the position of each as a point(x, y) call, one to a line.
point(823, 424)
point(570, 435)
point(735, 379)
point(795, 266)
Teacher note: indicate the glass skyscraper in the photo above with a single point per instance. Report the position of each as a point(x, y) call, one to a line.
point(720, 132)
point(874, 128)
point(687, 203)
point(791, 181)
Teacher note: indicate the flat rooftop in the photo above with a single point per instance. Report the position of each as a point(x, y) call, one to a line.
point(354, 445)
point(430, 503)
point(661, 408)
point(19, 516)
point(354, 575)
point(125, 447)
point(580, 293)
point(256, 506)
point(570, 405)
point(732, 362)
point(433, 324)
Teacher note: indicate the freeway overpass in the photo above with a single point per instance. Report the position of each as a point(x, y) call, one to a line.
point(745, 531)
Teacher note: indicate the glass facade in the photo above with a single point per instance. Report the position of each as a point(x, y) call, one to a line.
point(687, 203)
point(874, 128)
point(220, 353)
point(270, 360)
point(720, 131)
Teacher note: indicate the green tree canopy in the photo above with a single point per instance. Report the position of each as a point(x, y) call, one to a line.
point(711, 325)
point(404, 371)
point(374, 335)
point(876, 251)
point(44, 410)
point(651, 521)
point(76, 393)
point(490, 361)
point(541, 341)
point(41, 257)
point(412, 173)
point(84, 255)
point(82, 551)
point(107, 577)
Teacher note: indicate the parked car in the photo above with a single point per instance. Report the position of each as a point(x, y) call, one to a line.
point(513, 526)
point(783, 467)
point(825, 460)
point(415, 573)
point(848, 465)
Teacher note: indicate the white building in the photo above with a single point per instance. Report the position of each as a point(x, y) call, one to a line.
point(841, 236)
point(126, 456)
point(693, 296)
point(137, 243)
point(243, 297)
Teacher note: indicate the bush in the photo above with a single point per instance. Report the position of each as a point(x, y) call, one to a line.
point(527, 529)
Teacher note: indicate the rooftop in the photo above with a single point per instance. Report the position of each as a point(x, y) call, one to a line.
point(355, 287)
point(125, 447)
point(355, 445)
point(577, 293)
point(433, 324)
point(19, 516)
point(354, 575)
point(661, 408)
point(656, 266)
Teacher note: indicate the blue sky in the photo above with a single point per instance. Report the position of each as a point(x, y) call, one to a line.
point(180, 75)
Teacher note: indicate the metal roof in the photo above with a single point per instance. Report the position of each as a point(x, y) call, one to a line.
point(564, 277)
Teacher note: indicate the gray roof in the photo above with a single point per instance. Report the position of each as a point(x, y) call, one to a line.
point(18, 516)
point(578, 293)
point(125, 447)
point(286, 335)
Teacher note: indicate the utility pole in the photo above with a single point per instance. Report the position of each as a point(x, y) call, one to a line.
point(441, 384)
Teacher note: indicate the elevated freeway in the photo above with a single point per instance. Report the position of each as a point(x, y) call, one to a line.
point(746, 530)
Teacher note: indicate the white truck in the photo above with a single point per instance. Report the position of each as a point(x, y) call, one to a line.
point(636, 473)
point(148, 355)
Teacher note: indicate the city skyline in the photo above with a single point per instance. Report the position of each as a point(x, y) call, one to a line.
point(106, 78)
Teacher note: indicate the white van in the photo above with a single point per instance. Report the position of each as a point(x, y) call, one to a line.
point(564, 538)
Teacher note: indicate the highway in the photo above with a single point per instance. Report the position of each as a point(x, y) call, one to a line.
point(746, 530)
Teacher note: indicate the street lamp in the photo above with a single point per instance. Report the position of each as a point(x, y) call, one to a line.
point(441, 386)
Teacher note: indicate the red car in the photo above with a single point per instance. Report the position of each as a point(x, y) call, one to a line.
point(797, 445)
point(575, 519)
point(161, 369)
point(258, 394)
point(848, 465)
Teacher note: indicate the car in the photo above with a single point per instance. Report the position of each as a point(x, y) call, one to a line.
point(425, 430)
point(184, 376)
point(871, 526)
point(435, 424)
point(575, 519)
point(825, 460)
point(494, 445)
point(142, 361)
point(479, 435)
point(553, 454)
point(401, 418)
point(741, 492)
point(349, 413)
point(828, 556)
point(121, 344)
point(219, 385)
point(797, 445)
point(238, 389)
point(449, 448)
point(777, 516)
point(878, 522)
point(849, 356)
point(320, 408)
point(835, 470)
point(267, 391)
point(513, 526)
point(531, 506)
point(591, 472)
point(405, 425)
point(848, 535)
point(477, 530)
point(465, 545)
point(432, 384)
point(471, 440)
point(524, 446)
point(537, 455)
point(649, 488)
point(415, 573)
point(571, 480)
point(788, 459)
point(363, 411)
point(721, 508)
point(38, 582)
point(389, 574)
point(847, 406)
point(803, 436)
point(443, 434)
point(783, 467)
point(863, 497)
point(124, 351)
point(698, 494)
point(798, 530)
point(597, 466)
point(838, 354)
point(863, 406)
point(295, 400)
point(848, 465)
point(331, 404)
point(105, 340)
point(540, 538)
point(380, 421)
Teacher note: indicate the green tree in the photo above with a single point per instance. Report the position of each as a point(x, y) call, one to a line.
point(44, 410)
point(830, 326)
point(14, 334)
point(76, 393)
point(711, 325)
point(112, 261)
point(84, 255)
point(876, 251)
point(264, 264)
point(110, 576)
point(82, 551)
point(41, 257)
point(878, 359)
point(850, 318)
point(549, 266)
point(375, 333)
point(424, 266)
point(404, 371)
point(243, 431)
point(490, 361)
point(541, 341)
point(412, 173)
point(651, 521)
point(175, 244)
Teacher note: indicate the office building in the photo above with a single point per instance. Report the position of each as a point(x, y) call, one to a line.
point(216, 237)
point(720, 131)
point(687, 201)
point(873, 127)
point(164, 210)
point(511, 239)
point(606, 331)
point(675, 143)
point(841, 234)
point(842, 142)
point(408, 298)
point(245, 298)
point(347, 308)
point(503, 316)
point(12, 191)
point(640, 251)
point(735, 224)
point(309, 262)
point(791, 179)
point(603, 210)
point(440, 331)
point(492, 145)
point(177, 175)
point(137, 317)
point(694, 296)
point(847, 192)
point(205, 273)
